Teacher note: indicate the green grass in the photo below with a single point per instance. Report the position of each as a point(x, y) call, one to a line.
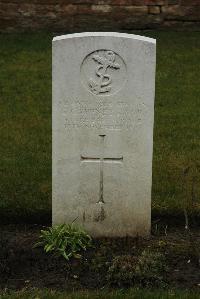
point(25, 84)
point(120, 294)
point(25, 125)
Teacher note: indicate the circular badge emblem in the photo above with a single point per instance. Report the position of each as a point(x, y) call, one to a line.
point(103, 72)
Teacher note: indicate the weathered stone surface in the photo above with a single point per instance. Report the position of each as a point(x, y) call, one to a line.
point(101, 8)
point(186, 26)
point(174, 12)
point(190, 2)
point(103, 111)
point(134, 10)
point(86, 15)
point(151, 21)
point(154, 10)
point(173, 2)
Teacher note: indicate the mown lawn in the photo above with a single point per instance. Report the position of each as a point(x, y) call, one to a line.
point(25, 125)
point(121, 294)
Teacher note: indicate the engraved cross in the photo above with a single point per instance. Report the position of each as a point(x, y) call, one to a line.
point(101, 160)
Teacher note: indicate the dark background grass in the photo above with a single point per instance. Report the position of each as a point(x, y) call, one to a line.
point(25, 126)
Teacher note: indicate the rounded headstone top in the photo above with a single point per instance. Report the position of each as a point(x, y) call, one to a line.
point(105, 34)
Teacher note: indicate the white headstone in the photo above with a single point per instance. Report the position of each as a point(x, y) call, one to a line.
point(103, 113)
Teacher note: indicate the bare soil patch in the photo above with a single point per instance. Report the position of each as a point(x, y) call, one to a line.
point(22, 265)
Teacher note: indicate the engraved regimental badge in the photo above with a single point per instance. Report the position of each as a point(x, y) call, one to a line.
point(103, 72)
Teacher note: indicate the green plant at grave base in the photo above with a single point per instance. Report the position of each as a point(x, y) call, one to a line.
point(151, 268)
point(65, 240)
point(122, 271)
point(147, 270)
